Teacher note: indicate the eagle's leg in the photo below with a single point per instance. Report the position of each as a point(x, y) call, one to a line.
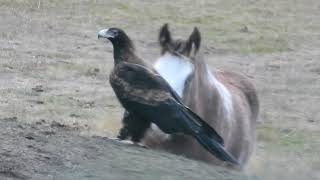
point(124, 131)
point(133, 126)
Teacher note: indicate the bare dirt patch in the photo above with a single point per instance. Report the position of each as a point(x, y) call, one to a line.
point(55, 151)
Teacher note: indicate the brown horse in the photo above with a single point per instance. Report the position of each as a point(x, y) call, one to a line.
point(225, 100)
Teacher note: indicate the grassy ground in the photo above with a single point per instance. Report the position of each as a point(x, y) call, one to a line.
point(53, 67)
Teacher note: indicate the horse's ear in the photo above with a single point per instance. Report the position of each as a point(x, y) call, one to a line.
point(164, 36)
point(196, 38)
point(194, 41)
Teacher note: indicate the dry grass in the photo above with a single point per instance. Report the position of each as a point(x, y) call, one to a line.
point(53, 44)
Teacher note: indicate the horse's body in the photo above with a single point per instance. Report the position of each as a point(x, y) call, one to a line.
point(225, 100)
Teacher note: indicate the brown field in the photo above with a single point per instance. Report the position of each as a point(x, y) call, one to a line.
point(53, 68)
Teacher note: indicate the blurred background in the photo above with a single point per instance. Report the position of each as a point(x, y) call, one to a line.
point(53, 68)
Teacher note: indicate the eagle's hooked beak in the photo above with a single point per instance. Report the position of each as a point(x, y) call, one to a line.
point(104, 34)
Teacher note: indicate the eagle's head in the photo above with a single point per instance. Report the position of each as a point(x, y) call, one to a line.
point(117, 37)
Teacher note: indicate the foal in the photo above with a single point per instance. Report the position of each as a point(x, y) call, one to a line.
point(225, 100)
